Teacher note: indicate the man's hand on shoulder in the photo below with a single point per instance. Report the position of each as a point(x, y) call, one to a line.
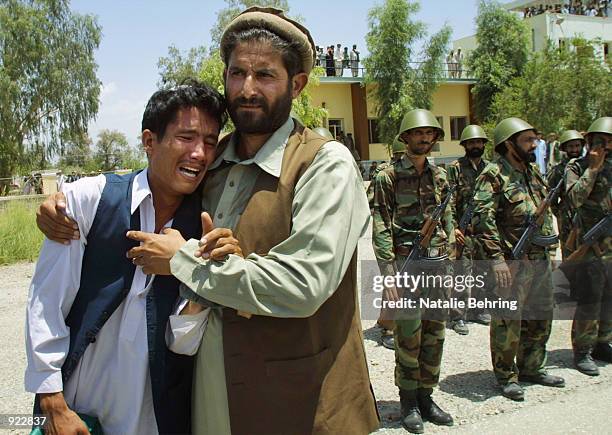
point(52, 220)
point(61, 419)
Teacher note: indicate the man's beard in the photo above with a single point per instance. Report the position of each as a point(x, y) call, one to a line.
point(416, 152)
point(474, 153)
point(268, 120)
point(574, 154)
point(527, 157)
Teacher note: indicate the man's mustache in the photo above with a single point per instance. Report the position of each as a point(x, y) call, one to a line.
point(424, 143)
point(254, 101)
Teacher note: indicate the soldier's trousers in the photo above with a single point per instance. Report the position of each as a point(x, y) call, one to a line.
point(593, 317)
point(418, 353)
point(466, 266)
point(518, 337)
point(419, 342)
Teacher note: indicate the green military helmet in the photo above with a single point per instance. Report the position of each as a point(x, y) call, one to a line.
point(473, 132)
point(568, 135)
point(601, 125)
point(508, 128)
point(322, 131)
point(398, 146)
point(419, 118)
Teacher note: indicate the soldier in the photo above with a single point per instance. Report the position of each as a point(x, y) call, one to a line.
point(589, 184)
point(405, 194)
point(463, 173)
point(385, 320)
point(571, 143)
point(507, 192)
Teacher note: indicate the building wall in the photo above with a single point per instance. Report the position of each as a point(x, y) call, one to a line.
point(563, 26)
point(336, 97)
point(555, 27)
point(450, 100)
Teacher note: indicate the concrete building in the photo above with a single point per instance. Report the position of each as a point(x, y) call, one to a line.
point(556, 27)
point(352, 109)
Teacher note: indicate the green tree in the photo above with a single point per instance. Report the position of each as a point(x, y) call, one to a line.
point(48, 85)
point(561, 88)
point(502, 52)
point(110, 149)
point(398, 85)
point(76, 154)
point(431, 71)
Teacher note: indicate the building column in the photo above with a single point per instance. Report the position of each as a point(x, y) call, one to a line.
point(360, 120)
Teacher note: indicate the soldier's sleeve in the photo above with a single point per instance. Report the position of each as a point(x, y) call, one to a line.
point(487, 194)
point(448, 219)
point(578, 185)
point(382, 231)
point(453, 177)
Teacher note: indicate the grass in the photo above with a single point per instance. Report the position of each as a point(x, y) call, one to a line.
point(20, 239)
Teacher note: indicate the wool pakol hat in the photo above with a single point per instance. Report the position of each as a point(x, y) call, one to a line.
point(275, 21)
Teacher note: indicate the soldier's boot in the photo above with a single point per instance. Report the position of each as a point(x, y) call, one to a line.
point(543, 379)
point(430, 411)
point(387, 339)
point(584, 363)
point(513, 391)
point(460, 327)
point(603, 352)
point(411, 416)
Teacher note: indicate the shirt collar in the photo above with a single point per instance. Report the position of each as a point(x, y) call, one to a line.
point(407, 163)
point(140, 190)
point(269, 157)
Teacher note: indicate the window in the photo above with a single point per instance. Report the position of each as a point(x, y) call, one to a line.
point(335, 126)
point(373, 136)
point(457, 124)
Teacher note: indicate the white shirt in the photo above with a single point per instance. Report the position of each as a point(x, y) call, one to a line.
point(111, 380)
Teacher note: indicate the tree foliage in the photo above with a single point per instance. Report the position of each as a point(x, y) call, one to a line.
point(48, 85)
point(112, 150)
point(398, 85)
point(502, 52)
point(431, 71)
point(561, 88)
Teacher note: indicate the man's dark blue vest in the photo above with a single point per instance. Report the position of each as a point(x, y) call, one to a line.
point(106, 279)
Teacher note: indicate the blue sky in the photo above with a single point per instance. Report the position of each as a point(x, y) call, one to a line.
point(137, 33)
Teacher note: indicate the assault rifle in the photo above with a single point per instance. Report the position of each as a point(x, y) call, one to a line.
point(465, 220)
point(601, 229)
point(422, 241)
point(534, 222)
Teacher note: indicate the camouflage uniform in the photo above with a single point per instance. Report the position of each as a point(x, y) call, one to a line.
point(504, 197)
point(402, 201)
point(463, 174)
point(590, 193)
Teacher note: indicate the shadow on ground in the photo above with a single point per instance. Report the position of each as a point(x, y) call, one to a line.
point(475, 386)
point(390, 413)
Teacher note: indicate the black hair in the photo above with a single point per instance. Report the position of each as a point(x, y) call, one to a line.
point(164, 104)
point(289, 50)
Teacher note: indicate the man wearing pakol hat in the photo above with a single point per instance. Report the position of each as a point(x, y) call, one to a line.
point(506, 193)
point(405, 194)
point(589, 191)
point(463, 173)
point(296, 363)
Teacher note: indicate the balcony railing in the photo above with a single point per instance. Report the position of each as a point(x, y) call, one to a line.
point(451, 71)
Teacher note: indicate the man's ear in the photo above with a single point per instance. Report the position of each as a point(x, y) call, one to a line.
point(298, 83)
point(148, 141)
